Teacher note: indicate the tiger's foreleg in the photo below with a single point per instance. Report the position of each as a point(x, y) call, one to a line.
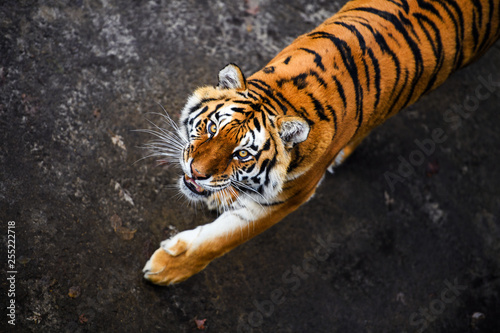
point(188, 252)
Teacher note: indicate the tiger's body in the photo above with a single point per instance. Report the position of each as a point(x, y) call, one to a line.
point(258, 148)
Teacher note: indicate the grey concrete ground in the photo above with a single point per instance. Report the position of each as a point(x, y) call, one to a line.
point(412, 229)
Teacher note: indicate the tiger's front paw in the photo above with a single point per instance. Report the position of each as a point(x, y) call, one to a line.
point(173, 262)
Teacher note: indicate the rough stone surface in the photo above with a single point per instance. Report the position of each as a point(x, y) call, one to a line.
point(77, 77)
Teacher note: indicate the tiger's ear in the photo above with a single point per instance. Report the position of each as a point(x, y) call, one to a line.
point(231, 77)
point(292, 130)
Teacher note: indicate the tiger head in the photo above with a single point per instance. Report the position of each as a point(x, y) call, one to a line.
point(236, 146)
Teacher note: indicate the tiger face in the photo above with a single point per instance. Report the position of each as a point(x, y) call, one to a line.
point(236, 149)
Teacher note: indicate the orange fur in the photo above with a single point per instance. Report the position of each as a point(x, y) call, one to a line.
point(332, 86)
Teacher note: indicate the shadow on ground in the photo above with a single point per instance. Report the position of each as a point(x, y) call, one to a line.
point(413, 227)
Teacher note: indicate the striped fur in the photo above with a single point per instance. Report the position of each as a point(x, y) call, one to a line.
point(256, 149)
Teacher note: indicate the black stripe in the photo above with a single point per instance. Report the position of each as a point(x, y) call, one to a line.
point(204, 110)
point(300, 81)
point(414, 48)
point(256, 124)
point(194, 108)
point(260, 189)
point(384, 47)
point(217, 107)
point(280, 96)
point(256, 107)
point(272, 163)
point(428, 7)
point(305, 115)
point(252, 96)
point(396, 3)
point(358, 19)
point(269, 92)
point(403, 4)
point(287, 60)
point(350, 65)
point(376, 69)
point(268, 70)
point(437, 46)
point(318, 60)
point(269, 110)
point(261, 85)
point(355, 31)
point(457, 32)
point(460, 31)
point(408, 24)
point(238, 110)
point(198, 124)
point(334, 116)
point(205, 100)
point(367, 74)
point(362, 45)
point(250, 168)
point(340, 90)
point(318, 78)
point(260, 98)
point(484, 44)
point(264, 116)
point(318, 107)
point(267, 145)
point(269, 204)
point(479, 7)
point(475, 32)
point(295, 163)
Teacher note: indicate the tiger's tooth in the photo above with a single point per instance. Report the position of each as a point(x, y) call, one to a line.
point(198, 187)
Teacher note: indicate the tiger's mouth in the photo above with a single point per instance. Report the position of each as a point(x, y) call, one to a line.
point(194, 187)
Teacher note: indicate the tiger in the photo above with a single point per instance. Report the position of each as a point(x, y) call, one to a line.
point(256, 149)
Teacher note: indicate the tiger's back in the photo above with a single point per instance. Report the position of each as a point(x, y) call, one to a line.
point(369, 61)
point(257, 148)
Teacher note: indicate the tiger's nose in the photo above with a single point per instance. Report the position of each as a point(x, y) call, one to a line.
point(198, 175)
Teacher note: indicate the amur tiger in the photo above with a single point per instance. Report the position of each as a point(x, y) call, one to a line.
point(257, 148)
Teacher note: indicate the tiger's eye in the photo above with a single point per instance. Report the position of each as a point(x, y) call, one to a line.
point(212, 128)
point(243, 154)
